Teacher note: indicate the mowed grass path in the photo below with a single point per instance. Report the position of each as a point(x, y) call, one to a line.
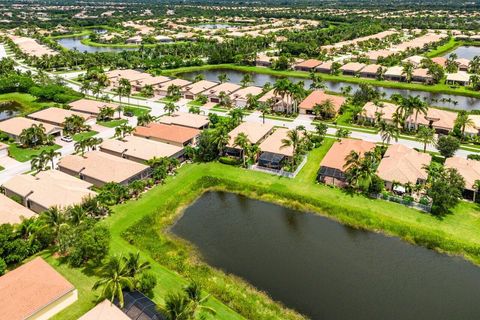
point(462, 226)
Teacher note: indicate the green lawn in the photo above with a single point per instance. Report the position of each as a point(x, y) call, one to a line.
point(84, 135)
point(136, 111)
point(112, 123)
point(142, 225)
point(28, 102)
point(25, 154)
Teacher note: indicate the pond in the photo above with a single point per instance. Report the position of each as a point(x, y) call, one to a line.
point(466, 52)
point(75, 43)
point(9, 109)
point(435, 99)
point(324, 269)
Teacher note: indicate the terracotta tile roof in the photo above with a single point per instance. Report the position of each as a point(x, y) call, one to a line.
point(30, 288)
point(140, 148)
point(441, 119)
point(90, 106)
point(244, 92)
point(353, 67)
point(318, 97)
point(226, 87)
point(50, 188)
point(102, 167)
point(370, 68)
point(404, 165)
point(15, 126)
point(335, 157)
point(185, 119)
point(255, 131)
point(273, 143)
point(129, 74)
point(199, 87)
point(386, 109)
point(12, 212)
point(167, 132)
point(105, 311)
point(467, 168)
point(56, 115)
point(176, 82)
point(310, 63)
point(442, 61)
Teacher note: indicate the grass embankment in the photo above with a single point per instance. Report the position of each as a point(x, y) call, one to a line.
point(437, 88)
point(25, 154)
point(27, 102)
point(112, 123)
point(84, 135)
point(142, 225)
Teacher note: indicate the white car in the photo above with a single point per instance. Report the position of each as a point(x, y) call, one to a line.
point(66, 139)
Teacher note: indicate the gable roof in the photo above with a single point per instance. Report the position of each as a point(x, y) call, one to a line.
point(404, 165)
point(167, 132)
point(105, 310)
point(226, 87)
point(56, 115)
point(186, 119)
point(13, 212)
point(273, 143)
point(310, 63)
point(140, 148)
point(102, 166)
point(255, 131)
point(199, 87)
point(15, 126)
point(90, 106)
point(386, 109)
point(29, 288)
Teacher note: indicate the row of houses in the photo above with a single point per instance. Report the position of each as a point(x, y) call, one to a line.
point(400, 165)
point(443, 121)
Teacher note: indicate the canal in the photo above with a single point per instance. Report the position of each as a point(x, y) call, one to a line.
point(324, 269)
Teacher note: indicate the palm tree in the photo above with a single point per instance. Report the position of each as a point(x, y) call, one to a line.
point(170, 108)
point(39, 162)
point(281, 87)
point(223, 77)
point(426, 136)
point(252, 101)
point(186, 305)
point(417, 105)
point(145, 119)
point(76, 214)
point(295, 140)
point(476, 188)
point(324, 110)
point(106, 113)
point(50, 155)
point(242, 141)
point(263, 108)
point(125, 87)
point(114, 278)
point(246, 80)
point(387, 132)
point(463, 121)
point(80, 147)
point(134, 265)
point(197, 302)
point(54, 219)
point(123, 130)
point(408, 71)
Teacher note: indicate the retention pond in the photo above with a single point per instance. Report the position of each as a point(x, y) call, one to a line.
point(324, 269)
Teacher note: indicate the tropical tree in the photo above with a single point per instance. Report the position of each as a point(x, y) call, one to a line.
point(252, 102)
point(123, 130)
point(74, 124)
point(246, 80)
point(407, 71)
point(361, 170)
point(170, 108)
point(39, 162)
point(105, 113)
point(447, 145)
point(280, 88)
point(53, 218)
point(124, 89)
point(324, 110)
point(223, 77)
point(264, 109)
point(463, 121)
point(114, 278)
point(173, 92)
point(50, 155)
point(295, 139)
point(342, 133)
point(145, 119)
point(134, 265)
point(33, 136)
point(426, 136)
point(387, 132)
point(242, 141)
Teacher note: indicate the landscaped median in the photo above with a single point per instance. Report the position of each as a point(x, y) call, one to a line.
point(438, 88)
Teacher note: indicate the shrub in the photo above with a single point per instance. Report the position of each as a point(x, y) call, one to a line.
point(3, 267)
point(230, 161)
point(146, 283)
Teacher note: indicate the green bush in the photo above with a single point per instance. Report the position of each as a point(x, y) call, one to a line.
point(146, 283)
point(3, 267)
point(230, 161)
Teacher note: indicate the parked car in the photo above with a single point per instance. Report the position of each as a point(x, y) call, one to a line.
point(66, 139)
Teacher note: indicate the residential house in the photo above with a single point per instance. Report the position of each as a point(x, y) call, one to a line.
point(185, 119)
point(422, 75)
point(131, 75)
point(13, 127)
point(402, 165)
point(240, 97)
point(105, 310)
point(195, 89)
point(318, 97)
point(415, 60)
point(35, 290)
point(459, 78)
point(169, 133)
point(92, 107)
point(332, 168)
point(256, 132)
point(139, 84)
point(274, 155)
point(470, 171)
point(277, 103)
point(307, 65)
point(162, 88)
point(56, 116)
point(139, 149)
point(214, 94)
point(441, 61)
point(352, 68)
point(370, 71)
point(12, 212)
point(375, 55)
point(263, 60)
point(99, 168)
point(463, 64)
point(47, 189)
point(372, 111)
point(324, 67)
point(394, 73)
